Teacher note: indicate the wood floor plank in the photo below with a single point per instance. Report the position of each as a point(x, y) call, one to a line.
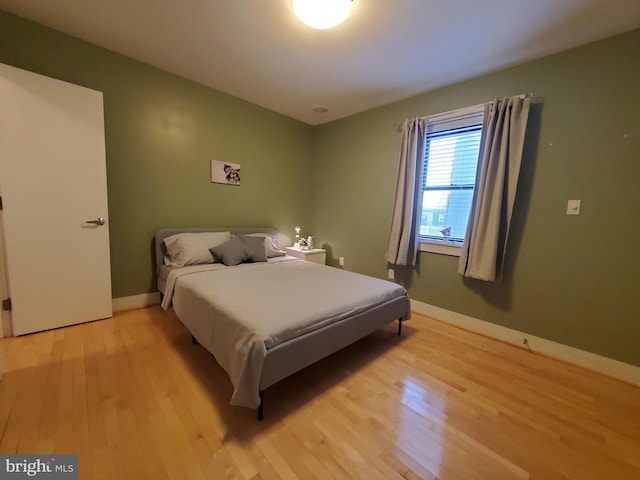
point(51, 395)
point(32, 394)
point(135, 399)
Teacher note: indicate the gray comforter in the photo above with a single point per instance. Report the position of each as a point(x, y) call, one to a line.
point(239, 313)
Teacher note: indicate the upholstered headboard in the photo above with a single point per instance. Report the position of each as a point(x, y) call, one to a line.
point(167, 232)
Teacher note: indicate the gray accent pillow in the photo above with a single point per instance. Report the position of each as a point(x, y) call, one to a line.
point(232, 252)
point(257, 244)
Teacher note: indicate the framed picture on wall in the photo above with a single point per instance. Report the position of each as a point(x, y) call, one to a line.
point(225, 172)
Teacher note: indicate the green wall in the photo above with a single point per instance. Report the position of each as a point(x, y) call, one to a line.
point(570, 279)
point(161, 133)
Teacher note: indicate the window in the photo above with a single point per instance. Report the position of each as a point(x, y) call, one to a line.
point(452, 147)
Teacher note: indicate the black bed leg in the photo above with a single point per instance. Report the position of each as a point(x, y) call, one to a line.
point(399, 326)
point(261, 408)
point(193, 340)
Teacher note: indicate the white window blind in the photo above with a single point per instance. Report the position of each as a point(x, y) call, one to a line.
point(450, 162)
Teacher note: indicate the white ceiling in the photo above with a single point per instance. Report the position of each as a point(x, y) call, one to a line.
point(385, 51)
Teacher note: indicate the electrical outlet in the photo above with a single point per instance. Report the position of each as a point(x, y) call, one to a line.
point(342, 261)
point(391, 274)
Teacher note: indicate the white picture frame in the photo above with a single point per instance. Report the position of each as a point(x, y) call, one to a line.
point(225, 172)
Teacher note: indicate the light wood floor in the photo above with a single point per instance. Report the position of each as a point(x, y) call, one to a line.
point(136, 400)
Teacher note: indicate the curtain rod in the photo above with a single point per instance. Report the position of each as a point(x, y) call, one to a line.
point(522, 96)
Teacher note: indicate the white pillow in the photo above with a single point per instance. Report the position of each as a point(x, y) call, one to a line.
point(192, 248)
point(270, 244)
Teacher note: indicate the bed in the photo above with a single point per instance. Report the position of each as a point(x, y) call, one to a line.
point(268, 319)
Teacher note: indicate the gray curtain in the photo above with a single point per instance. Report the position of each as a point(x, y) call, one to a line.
point(503, 131)
point(403, 237)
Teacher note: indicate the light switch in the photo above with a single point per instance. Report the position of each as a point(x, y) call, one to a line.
point(573, 207)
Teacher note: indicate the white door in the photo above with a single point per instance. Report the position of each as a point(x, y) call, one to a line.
point(53, 180)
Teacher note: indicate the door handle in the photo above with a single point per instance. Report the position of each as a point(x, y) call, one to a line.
point(97, 221)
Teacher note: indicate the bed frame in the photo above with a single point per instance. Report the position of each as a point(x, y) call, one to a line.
point(294, 355)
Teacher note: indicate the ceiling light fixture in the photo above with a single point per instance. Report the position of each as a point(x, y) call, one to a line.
point(322, 14)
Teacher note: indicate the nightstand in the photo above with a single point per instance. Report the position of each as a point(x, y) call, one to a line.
point(315, 255)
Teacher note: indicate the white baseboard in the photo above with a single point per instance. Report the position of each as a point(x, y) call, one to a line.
point(607, 366)
point(135, 301)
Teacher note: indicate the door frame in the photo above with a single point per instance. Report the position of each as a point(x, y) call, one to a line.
point(5, 317)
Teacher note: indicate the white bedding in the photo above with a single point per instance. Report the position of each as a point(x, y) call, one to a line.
point(238, 313)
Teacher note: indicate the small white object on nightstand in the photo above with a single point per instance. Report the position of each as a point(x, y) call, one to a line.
point(316, 255)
